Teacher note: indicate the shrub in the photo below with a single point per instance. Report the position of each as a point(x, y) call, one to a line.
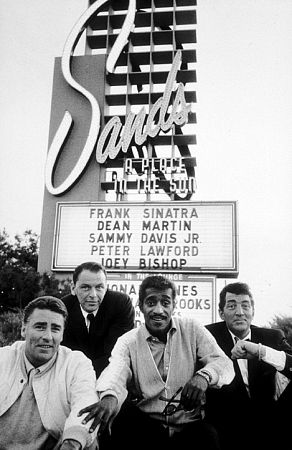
point(10, 327)
point(285, 324)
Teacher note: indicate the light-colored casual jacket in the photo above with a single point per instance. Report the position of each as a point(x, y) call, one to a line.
point(61, 390)
point(190, 348)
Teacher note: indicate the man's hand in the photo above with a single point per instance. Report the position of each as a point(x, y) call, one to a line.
point(70, 444)
point(245, 350)
point(193, 393)
point(101, 411)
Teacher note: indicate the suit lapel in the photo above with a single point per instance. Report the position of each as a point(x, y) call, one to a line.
point(226, 341)
point(228, 345)
point(81, 329)
point(253, 364)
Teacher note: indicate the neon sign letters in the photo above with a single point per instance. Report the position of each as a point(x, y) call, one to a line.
point(114, 137)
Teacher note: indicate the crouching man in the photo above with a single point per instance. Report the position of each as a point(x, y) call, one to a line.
point(43, 385)
point(165, 366)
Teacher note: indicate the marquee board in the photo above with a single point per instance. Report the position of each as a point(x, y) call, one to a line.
point(192, 237)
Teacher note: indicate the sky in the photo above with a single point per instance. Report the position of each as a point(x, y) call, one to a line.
point(244, 125)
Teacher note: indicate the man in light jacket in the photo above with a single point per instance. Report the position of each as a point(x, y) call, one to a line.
point(43, 385)
point(163, 368)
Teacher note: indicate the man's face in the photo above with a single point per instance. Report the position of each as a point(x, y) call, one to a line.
point(90, 289)
point(43, 334)
point(157, 308)
point(238, 313)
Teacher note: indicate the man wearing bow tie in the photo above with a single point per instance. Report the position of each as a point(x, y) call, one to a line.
point(248, 402)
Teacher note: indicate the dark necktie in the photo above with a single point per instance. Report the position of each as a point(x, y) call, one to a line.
point(90, 317)
point(235, 362)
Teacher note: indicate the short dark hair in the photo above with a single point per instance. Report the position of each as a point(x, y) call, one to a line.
point(158, 282)
point(237, 289)
point(91, 266)
point(46, 302)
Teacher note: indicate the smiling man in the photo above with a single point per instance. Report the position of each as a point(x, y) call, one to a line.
point(43, 385)
point(97, 316)
point(165, 367)
point(248, 401)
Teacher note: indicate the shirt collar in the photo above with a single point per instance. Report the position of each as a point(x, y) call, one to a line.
point(148, 336)
point(41, 369)
point(85, 313)
point(235, 338)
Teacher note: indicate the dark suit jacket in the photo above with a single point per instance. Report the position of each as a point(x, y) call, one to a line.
point(236, 415)
point(114, 318)
point(288, 366)
point(283, 407)
point(232, 400)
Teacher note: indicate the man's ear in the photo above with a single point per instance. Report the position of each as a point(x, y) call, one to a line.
point(141, 307)
point(221, 314)
point(72, 288)
point(174, 305)
point(23, 327)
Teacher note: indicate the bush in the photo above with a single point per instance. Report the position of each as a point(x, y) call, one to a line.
point(50, 285)
point(10, 327)
point(285, 324)
point(19, 279)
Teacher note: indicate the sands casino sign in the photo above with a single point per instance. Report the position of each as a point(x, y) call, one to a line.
point(120, 169)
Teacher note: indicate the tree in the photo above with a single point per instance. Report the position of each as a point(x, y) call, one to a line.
point(10, 327)
point(19, 279)
point(283, 323)
point(50, 285)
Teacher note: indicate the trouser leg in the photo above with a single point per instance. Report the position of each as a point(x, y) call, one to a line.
point(132, 430)
point(197, 435)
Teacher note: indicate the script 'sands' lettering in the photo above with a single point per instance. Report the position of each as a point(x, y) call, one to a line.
point(115, 137)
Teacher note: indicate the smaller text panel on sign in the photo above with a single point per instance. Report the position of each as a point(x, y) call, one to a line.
point(195, 294)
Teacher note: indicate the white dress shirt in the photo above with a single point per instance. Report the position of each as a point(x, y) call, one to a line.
point(242, 363)
point(85, 314)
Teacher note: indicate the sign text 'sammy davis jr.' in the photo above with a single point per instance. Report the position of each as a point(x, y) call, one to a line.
point(187, 236)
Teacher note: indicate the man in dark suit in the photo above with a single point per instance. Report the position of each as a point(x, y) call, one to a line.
point(246, 406)
point(283, 364)
point(96, 315)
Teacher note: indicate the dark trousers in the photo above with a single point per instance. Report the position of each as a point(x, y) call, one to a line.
point(133, 429)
